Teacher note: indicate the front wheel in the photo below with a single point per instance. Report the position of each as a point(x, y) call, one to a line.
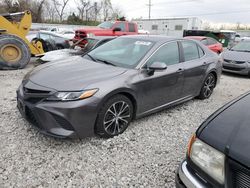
point(114, 117)
point(207, 87)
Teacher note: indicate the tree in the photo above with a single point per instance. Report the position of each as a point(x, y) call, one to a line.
point(107, 9)
point(82, 5)
point(60, 8)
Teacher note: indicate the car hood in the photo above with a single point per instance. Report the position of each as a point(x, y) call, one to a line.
point(72, 74)
point(236, 56)
point(58, 55)
point(229, 131)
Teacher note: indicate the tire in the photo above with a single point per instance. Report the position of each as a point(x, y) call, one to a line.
point(20, 52)
point(207, 87)
point(114, 117)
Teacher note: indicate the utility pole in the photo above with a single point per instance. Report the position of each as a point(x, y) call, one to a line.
point(149, 9)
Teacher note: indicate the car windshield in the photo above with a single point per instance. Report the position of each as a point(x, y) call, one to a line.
point(242, 46)
point(106, 25)
point(122, 52)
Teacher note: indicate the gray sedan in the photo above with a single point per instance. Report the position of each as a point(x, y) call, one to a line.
point(237, 59)
point(126, 78)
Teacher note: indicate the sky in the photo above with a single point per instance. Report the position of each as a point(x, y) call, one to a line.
point(216, 11)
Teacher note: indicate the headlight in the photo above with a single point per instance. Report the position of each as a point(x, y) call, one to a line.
point(90, 35)
point(208, 159)
point(71, 96)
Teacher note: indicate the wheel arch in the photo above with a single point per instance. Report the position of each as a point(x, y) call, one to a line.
point(129, 93)
point(213, 71)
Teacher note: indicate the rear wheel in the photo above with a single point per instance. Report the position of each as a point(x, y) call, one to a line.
point(114, 117)
point(207, 87)
point(14, 52)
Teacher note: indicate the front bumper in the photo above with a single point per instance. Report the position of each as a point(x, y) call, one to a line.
point(242, 69)
point(185, 178)
point(74, 119)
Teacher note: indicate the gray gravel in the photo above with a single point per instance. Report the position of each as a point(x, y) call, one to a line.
point(146, 155)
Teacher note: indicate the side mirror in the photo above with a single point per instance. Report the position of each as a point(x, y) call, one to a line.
point(117, 29)
point(158, 66)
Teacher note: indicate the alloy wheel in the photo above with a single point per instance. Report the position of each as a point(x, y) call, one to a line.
point(117, 118)
point(209, 86)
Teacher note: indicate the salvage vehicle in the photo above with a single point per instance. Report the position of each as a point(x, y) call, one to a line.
point(50, 41)
point(218, 153)
point(237, 59)
point(126, 78)
point(211, 43)
point(92, 43)
point(108, 28)
point(15, 49)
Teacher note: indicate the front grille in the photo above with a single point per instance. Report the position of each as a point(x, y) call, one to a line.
point(34, 96)
point(80, 34)
point(240, 176)
point(234, 62)
point(233, 68)
point(27, 90)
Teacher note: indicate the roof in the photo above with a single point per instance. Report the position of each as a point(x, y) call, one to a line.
point(162, 19)
point(196, 37)
point(153, 38)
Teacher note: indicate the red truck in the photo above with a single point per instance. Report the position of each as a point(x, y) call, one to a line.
point(109, 28)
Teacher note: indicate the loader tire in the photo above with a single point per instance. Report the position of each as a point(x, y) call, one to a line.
point(14, 52)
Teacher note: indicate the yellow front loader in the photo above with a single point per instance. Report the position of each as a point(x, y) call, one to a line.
point(15, 49)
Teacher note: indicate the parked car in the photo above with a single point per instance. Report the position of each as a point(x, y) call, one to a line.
point(218, 153)
point(50, 41)
point(67, 34)
point(108, 28)
point(211, 43)
point(57, 55)
point(126, 78)
point(237, 59)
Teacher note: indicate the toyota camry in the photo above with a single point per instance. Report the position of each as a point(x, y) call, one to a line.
point(126, 78)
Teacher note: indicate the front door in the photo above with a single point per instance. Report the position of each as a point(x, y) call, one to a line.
point(163, 86)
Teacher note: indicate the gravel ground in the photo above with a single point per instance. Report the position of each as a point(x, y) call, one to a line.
point(146, 155)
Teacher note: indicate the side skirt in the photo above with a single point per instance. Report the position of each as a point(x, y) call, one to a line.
point(165, 106)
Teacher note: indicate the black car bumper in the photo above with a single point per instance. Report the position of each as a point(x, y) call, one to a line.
point(242, 69)
point(74, 119)
point(186, 178)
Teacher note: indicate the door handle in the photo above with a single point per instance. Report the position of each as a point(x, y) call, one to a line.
point(180, 70)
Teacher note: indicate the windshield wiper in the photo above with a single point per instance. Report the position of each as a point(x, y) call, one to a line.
point(91, 57)
point(106, 62)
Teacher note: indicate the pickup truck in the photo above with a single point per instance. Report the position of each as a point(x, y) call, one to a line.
point(108, 28)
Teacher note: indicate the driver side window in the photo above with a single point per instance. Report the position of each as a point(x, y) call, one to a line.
point(168, 54)
point(122, 26)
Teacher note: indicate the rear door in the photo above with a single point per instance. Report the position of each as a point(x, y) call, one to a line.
point(163, 86)
point(195, 65)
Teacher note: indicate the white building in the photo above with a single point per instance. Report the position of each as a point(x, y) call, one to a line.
point(168, 26)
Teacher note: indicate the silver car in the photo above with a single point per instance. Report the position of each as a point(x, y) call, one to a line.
point(237, 59)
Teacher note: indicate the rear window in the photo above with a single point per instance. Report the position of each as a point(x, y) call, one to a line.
point(131, 27)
